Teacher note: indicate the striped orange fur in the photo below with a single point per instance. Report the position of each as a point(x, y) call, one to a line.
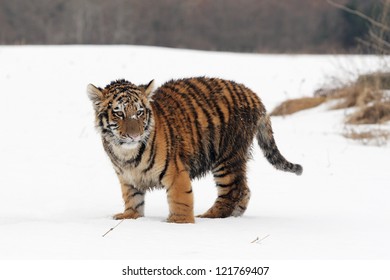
point(182, 130)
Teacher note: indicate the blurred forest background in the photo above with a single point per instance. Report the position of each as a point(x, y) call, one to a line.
point(267, 26)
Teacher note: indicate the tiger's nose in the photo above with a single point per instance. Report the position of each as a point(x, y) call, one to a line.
point(132, 128)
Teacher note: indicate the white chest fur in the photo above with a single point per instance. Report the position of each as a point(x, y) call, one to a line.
point(135, 175)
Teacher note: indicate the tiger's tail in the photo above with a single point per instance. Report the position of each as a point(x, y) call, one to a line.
point(267, 144)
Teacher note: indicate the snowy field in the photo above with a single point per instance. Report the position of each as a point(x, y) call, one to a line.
point(58, 189)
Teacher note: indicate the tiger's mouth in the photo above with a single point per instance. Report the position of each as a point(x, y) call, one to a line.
point(130, 142)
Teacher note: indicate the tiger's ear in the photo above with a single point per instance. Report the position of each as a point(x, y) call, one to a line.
point(95, 95)
point(149, 89)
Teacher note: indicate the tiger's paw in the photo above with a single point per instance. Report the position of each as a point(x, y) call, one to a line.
point(211, 216)
point(219, 210)
point(179, 219)
point(215, 214)
point(127, 215)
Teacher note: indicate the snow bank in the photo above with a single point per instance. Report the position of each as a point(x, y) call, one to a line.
point(58, 189)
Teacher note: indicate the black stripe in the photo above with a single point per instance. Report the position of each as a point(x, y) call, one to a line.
point(227, 164)
point(162, 174)
point(153, 146)
point(101, 119)
point(233, 183)
point(231, 155)
point(222, 168)
point(104, 116)
point(253, 97)
point(168, 144)
point(137, 193)
point(149, 120)
point(233, 96)
point(228, 106)
point(222, 175)
point(136, 161)
point(114, 159)
point(183, 112)
point(213, 98)
point(237, 91)
point(139, 205)
point(226, 145)
point(152, 156)
point(190, 105)
point(173, 140)
point(151, 163)
point(224, 136)
point(243, 91)
point(228, 194)
point(198, 92)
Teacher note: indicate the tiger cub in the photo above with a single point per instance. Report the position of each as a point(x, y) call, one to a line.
point(182, 130)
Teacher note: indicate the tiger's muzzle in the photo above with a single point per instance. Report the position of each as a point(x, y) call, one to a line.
point(130, 131)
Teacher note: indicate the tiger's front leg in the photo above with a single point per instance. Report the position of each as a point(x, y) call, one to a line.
point(180, 197)
point(134, 203)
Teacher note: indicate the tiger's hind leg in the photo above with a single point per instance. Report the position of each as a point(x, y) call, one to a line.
point(242, 203)
point(233, 192)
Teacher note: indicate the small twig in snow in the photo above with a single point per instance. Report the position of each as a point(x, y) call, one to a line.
point(111, 229)
point(258, 240)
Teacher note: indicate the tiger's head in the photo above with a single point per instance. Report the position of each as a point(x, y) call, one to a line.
point(123, 112)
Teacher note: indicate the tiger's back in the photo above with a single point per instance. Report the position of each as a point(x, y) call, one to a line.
point(180, 131)
point(207, 119)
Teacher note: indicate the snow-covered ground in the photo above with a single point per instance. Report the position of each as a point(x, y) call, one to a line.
point(58, 189)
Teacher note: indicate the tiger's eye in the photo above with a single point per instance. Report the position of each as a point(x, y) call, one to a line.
point(140, 113)
point(119, 114)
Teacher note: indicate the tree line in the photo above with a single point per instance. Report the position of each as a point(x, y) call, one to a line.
point(286, 26)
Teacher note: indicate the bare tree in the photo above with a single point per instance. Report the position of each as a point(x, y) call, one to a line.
point(379, 31)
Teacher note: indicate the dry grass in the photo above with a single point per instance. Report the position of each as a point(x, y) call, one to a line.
point(295, 105)
point(355, 96)
point(367, 94)
point(379, 80)
point(377, 137)
point(376, 113)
